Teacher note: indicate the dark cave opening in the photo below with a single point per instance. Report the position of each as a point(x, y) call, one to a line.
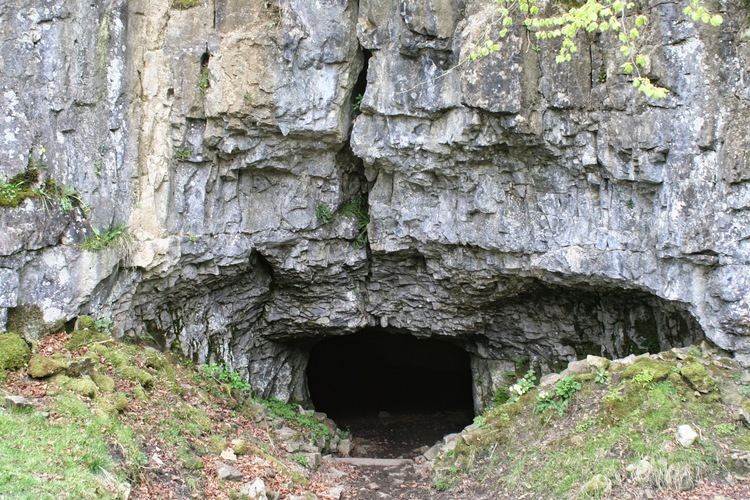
point(394, 392)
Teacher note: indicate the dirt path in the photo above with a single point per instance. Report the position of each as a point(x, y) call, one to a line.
point(403, 480)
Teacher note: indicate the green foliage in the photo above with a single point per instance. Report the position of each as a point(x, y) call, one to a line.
point(14, 352)
point(602, 376)
point(290, 413)
point(323, 213)
point(522, 386)
point(185, 4)
point(501, 396)
point(86, 333)
point(725, 429)
point(584, 425)
point(182, 153)
point(357, 208)
point(442, 484)
point(116, 236)
point(17, 189)
point(565, 388)
point(204, 79)
point(12, 193)
point(357, 104)
point(301, 459)
point(644, 378)
point(617, 17)
point(222, 374)
point(104, 325)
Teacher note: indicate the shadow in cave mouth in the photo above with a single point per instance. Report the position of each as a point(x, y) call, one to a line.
point(394, 392)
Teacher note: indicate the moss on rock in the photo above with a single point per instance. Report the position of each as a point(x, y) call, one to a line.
point(83, 386)
point(86, 333)
point(14, 352)
point(658, 369)
point(698, 377)
point(154, 359)
point(27, 321)
point(105, 383)
point(44, 366)
point(137, 375)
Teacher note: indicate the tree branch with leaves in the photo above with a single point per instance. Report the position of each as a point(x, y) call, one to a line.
point(594, 16)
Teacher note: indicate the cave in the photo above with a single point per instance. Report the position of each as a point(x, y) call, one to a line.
point(394, 391)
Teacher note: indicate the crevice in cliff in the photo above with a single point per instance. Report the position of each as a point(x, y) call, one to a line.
point(360, 86)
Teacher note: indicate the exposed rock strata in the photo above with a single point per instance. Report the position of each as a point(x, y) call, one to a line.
point(517, 205)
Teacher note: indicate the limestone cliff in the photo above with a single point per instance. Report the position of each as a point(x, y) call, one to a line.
point(520, 207)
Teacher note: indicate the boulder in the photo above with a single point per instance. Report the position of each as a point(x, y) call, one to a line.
point(228, 473)
point(254, 490)
point(18, 402)
point(686, 435)
point(43, 366)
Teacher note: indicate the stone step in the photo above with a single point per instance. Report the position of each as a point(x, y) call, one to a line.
point(370, 462)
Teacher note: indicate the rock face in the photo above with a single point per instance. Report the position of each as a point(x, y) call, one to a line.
point(521, 207)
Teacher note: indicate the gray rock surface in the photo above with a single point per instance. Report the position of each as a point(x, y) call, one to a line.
point(522, 207)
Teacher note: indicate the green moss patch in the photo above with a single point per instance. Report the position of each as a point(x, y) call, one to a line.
point(613, 437)
point(659, 370)
point(44, 366)
point(14, 352)
point(698, 377)
point(105, 383)
point(137, 375)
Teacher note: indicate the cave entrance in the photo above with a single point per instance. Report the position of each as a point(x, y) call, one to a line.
point(396, 393)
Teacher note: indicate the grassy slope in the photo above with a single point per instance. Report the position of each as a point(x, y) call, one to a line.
point(616, 437)
point(150, 426)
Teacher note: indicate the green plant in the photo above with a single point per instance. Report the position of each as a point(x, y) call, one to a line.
point(357, 103)
point(19, 187)
point(725, 429)
point(521, 361)
point(290, 413)
point(182, 154)
point(185, 4)
point(584, 425)
point(614, 395)
point(644, 378)
point(560, 398)
point(618, 17)
point(323, 213)
point(69, 199)
point(11, 193)
point(204, 79)
point(357, 208)
point(301, 459)
point(601, 376)
point(115, 236)
point(221, 373)
point(523, 385)
point(442, 484)
point(630, 204)
point(694, 351)
point(480, 420)
point(501, 396)
point(104, 325)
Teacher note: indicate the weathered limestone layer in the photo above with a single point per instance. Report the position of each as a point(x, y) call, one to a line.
point(516, 206)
